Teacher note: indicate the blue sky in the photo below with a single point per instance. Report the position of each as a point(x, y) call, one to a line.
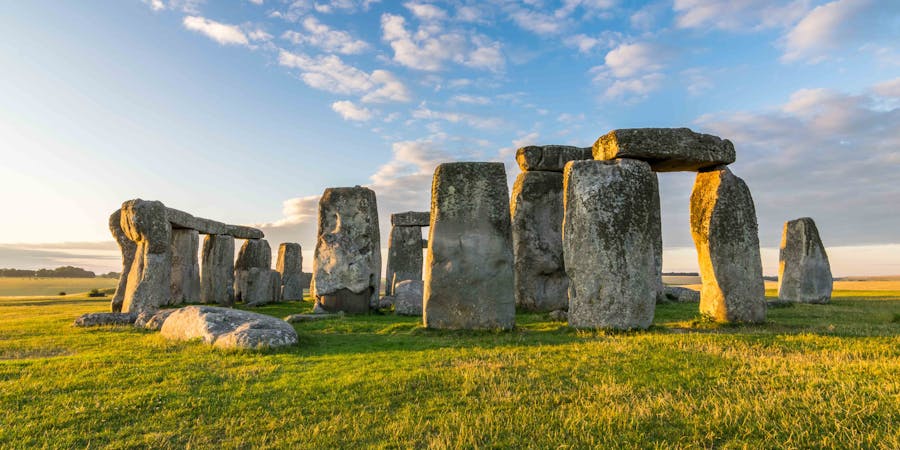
point(244, 111)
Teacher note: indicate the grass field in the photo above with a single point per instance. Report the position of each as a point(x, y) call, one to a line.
point(824, 376)
point(51, 286)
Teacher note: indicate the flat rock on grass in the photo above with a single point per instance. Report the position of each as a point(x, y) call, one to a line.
point(228, 328)
point(153, 321)
point(101, 319)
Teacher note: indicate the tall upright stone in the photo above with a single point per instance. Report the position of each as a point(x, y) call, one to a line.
point(145, 223)
point(609, 243)
point(541, 283)
point(185, 279)
point(347, 258)
point(804, 274)
point(404, 260)
point(290, 266)
point(253, 286)
point(128, 249)
point(468, 269)
point(656, 230)
point(725, 232)
point(217, 274)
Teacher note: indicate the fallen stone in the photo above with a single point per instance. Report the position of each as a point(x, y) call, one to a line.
point(228, 328)
point(608, 244)
point(290, 266)
point(153, 321)
point(552, 158)
point(724, 228)
point(804, 274)
point(681, 294)
point(148, 285)
point(404, 260)
point(217, 272)
point(185, 279)
point(408, 297)
point(559, 315)
point(103, 319)
point(181, 219)
point(411, 219)
point(298, 318)
point(386, 302)
point(666, 149)
point(347, 258)
point(468, 271)
point(128, 249)
point(541, 284)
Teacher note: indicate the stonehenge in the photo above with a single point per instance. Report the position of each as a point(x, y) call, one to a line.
point(666, 149)
point(185, 279)
point(217, 275)
point(128, 249)
point(536, 205)
point(347, 258)
point(468, 269)
point(404, 259)
point(804, 274)
point(290, 266)
point(145, 224)
point(255, 283)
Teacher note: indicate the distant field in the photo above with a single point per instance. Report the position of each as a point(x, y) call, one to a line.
point(870, 285)
point(51, 286)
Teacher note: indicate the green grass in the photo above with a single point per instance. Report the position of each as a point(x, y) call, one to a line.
point(51, 286)
point(814, 376)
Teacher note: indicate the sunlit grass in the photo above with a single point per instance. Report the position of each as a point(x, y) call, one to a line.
point(52, 286)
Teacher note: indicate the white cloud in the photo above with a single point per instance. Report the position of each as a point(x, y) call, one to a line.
point(425, 11)
point(324, 37)
point(536, 22)
point(256, 2)
point(329, 73)
point(636, 87)
point(350, 111)
point(470, 99)
point(588, 8)
point(741, 15)
point(430, 47)
point(631, 59)
point(841, 24)
point(156, 5)
point(889, 88)
point(423, 112)
point(220, 32)
point(587, 44)
point(391, 90)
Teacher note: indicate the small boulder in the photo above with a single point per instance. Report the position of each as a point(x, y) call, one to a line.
point(102, 319)
point(559, 315)
point(153, 321)
point(228, 328)
point(681, 294)
point(408, 297)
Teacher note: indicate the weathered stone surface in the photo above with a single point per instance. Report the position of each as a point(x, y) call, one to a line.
point(144, 222)
point(347, 258)
point(804, 274)
point(185, 279)
point(541, 283)
point(253, 286)
point(408, 296)
point(468, 270)
point(181, 219)
point(551, 158)
point(128, 249)
point(560, 315)
point(290, 266)
point(153, 321)
point(411, 219)
point(681, 294)
point(725, 232)
point(258, 286)
point(217, 275)
point(656, 232)
point(102, 319)
point(228, 328)
point(254, 253)
point(666, 149)
point(404, 260)
point(608, 243)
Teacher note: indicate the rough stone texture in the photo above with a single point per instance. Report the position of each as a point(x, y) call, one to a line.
point(552, 158)
point(253, 286)
point(102, 319)
point(404, 259)
point(181, 219)
point(560, 315)
point(144, 222)
point(608, 243)
point(128, 249)
point(537, 213)
point(411, 219)
point(656, 231)
point(723, 224)
point(185, 279)
point(468, 270)
point(290, 266)
point(666, 149)
point(347, 259)
point(153, 321)
point(681, 294)
point(408, 297)
point(258, 286)
point(804, 274)
point(228, 328)
point(217, 275)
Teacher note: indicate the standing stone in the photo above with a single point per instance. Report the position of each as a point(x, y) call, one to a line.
point(609, 243)
point(404, 260)
point(723, 224)
point(541, 283)
point(259, 285)
point(408, 297)
point(144, 222)
point(347, 258)
point(185, 280)
point(804, 274)
point(217, 275)
point(666, 149)
point(252, 286)
point(656, 231)
point(290, 266)
point(468, 270)
point(128, 249)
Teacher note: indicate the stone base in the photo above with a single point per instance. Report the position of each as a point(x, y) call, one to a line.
point(346, 301)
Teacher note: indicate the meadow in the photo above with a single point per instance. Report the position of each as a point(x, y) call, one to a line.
point(11, 286)
point(813, 376)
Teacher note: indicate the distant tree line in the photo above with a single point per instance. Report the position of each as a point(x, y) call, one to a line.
point(59, 272)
